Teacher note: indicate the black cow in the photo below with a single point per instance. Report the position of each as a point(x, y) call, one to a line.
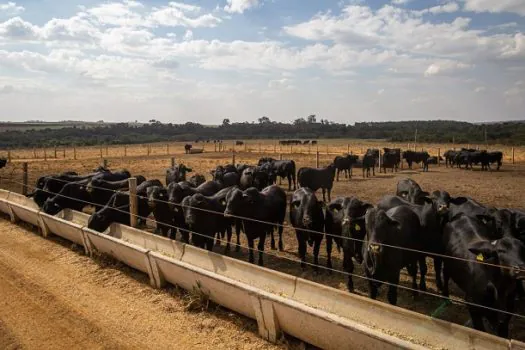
point(187, 148)
point(73, 195)
point(416, 157)
point(313, 142)
point(159, 205)
point(269, 205)
point(177, 173)
point(450, 157)
point(117, 209)
point(369, 162)
point(197, 180)
point(254, 177)
point(283, 169)
point(397, 227)
point(177, 192)
point(389, 160)
point(316, 179)
point(204, 217)
point(495, 157)
point(239, 143)
point(240, 167)
point(306, 216)
point(411, 191)
point(345, 224)
point(393, 155)
point(495, 286)
point(48, 186)
point(345, 163)
point(3, 162)
point(101, 190)
point(434, 160)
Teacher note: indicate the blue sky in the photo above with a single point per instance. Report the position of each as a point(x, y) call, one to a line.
point(178, 61)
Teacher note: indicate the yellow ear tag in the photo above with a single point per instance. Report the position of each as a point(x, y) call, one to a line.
point(357, 227)
point(479, 257)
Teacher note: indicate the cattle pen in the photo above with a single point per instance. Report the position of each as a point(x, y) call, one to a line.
point(265, 298)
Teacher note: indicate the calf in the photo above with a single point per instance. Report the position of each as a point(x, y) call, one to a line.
point(494, 286)
point(159, 205)
point(269, 205)
point(383, 261)
point(316, 179)
point(345, 163)
point(306, 213)
point(345, 225)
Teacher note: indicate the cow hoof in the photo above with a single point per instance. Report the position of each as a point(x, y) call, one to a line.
point(281, 247)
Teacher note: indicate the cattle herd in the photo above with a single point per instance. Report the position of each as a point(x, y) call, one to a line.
point(480, 248)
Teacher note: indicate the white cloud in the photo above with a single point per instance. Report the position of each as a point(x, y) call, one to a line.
point(178, 14)
point(11, 8)
point(449, 7)
point(479, 89)
point(239, 6)
point(400, 2)
point(18, 29)
point(514, 6)
point(188, 35)
point(445, 67)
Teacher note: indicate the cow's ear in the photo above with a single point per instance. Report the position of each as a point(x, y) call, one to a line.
point(458, 200)
point(483, 250)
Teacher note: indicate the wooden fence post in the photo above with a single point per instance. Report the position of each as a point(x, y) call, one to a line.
point(233, 157)
point(439, 156)
point(317, 159)
point(24, 186)
point(34, 153)
point(326, 149)
point(215, 147)
point(280, 156)
point(101, 153)
point(291, 149)
point(512, 155)
point(125, 151)
point(9, 156)
point(149, 150)
point(379, 162)
point(74, 153)
point(55, 153)
point(45, 154)
point(167, 148)
point(348, 148)
point(259, 147)
point(64, 153)
point(133, 208)
point(107, 150)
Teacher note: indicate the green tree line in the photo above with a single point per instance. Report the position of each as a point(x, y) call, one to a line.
point(512, 133)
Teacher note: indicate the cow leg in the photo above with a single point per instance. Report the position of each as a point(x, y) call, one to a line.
point(260, 248)
point(437, 269)
point(218, 238)
point(392, 289)
point(209, 242)
point(372, 289)
point(373, 170)
point(317, 246)
point(412, 271)
point(302, 247)
point(476, 315)
point(324, 198)
point(329, 194)
point(348, 266)
point(423, 272)
point(251, 248)
point(329, 252)
point(228, 239)
point(337, 175)
point(238, 233)
point(280, 180)
point(363, 172)
point(270, 231)
point(350, 176)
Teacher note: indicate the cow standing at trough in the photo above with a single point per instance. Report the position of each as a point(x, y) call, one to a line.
point(281, 168)
point(306, 216)
point(345, 224)
point(495, 286)
point(159, 206)
point(383, 260)
point(316, 179)
point(268, 206)
point(345, 163)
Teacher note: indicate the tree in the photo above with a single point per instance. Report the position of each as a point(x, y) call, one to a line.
point(225, 122)
point(264, 120)
point(299, 121)
point(311, 118)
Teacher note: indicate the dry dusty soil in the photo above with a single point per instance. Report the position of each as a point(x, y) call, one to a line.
point(57, 297)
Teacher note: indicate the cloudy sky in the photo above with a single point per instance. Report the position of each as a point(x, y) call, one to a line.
point(204, 60)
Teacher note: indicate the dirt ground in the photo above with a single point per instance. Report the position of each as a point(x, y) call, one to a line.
point(54, 297)
point(504, 188)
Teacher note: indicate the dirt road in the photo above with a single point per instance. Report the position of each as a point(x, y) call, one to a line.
point(53, 297)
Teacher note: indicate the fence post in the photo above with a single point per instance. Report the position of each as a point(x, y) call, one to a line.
point(172, 162)
point(133, 212)
point(9, 156)
point(107, 150)
point(379, 161)
point(45, 154)
point(280, 156)
point(215, 147)
point(24, 186)
point(233, 157)
point(512, 155)
point(317, 159)
point(348, 148)
point(34, 153)
point(64, 153)
point(149, 150)
point(259, 147)
point(439, 156)
point(105, 163)
point(246, 145)
point(101, 153)
point(125, 151)
point(55, 153)
point(327, 149)
point(168, 148)
point(291, 149)
point(74, 153)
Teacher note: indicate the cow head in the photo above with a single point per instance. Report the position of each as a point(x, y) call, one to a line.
point(305, 207)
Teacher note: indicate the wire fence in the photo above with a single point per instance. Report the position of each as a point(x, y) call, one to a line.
point(295, 261)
